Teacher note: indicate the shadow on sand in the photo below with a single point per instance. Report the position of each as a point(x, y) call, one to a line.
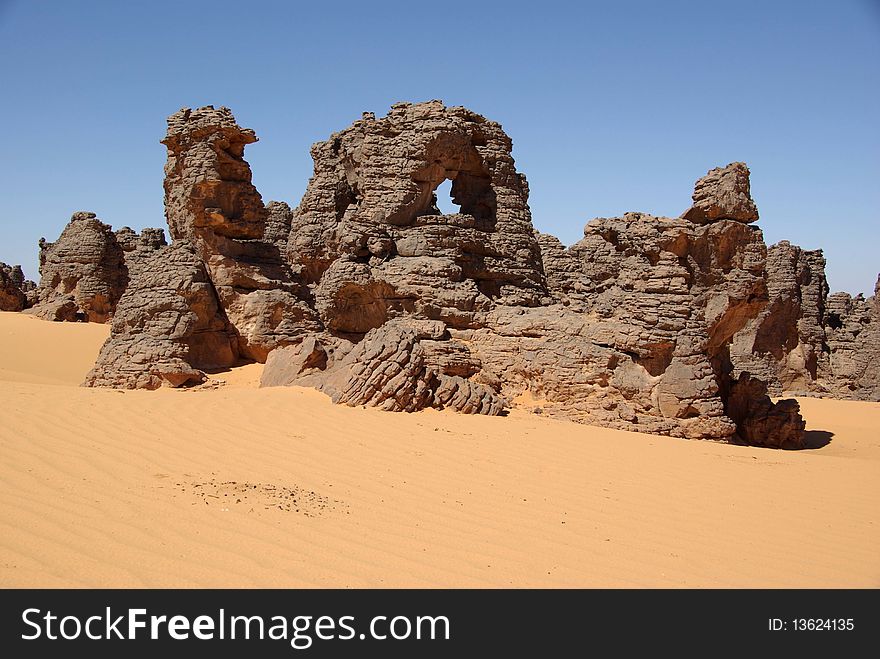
point(814, 439)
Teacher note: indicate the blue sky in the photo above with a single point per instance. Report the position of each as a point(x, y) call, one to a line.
point(611, 106)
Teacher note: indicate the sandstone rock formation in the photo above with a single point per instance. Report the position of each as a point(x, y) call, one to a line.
point(168, 326)
point(784, 345)
point(853, 338)
point(84, 273)
point(210, 201)
point(805, 341)
point(137, 248)
point(13, 288)
point(723, 194)
point(403, 366)
point(372, 202)
point(368, 292)
point(629, 328)
point(761, 422)
point(638, 337)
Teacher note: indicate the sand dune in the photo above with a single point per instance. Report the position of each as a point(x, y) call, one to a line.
point(238, 486)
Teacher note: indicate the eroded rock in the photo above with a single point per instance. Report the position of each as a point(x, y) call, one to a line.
point(761, 422)
point(784, 344)
point(168, 328)
point(372, 199)
point(723, 194)
point(853, 336)
point(369, 293)
point(211, 202)
point(13, 288)
point(397, 367)
point(82, 274)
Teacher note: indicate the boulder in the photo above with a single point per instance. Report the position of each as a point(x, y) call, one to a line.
point(759, 421)
point(723, 194)
point(392, 368)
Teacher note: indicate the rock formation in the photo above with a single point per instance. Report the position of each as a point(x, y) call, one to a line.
point(403, 366)
point(723, 194)
point(646, 307)
point(372, 202)
point(369, 293)
point(14, 288)
point(168, 326)
point(137, 248)
point(84, 273)
point(784, 344)
point(853, 338)
point(761, 422)
point(805, 341)
point(210, 201)
point(629, 328)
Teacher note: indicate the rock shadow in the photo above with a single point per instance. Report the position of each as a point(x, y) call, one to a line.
point(814, 439)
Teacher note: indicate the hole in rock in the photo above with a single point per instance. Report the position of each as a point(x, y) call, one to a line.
point(444, 202)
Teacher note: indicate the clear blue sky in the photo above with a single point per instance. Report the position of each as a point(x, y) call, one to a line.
point(612, 106)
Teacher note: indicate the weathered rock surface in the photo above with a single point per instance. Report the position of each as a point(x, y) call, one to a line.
point(137, 248)
point(168, 326)
point(85, 272)
point(82, 274)
point(647, 307)
point(853, 337)
point(805, 341)
point(372, 200)
point(402, 366)
point(210, 201)
point(784, 344)
point(278, 220)
point(13, 288)
point(723, 194)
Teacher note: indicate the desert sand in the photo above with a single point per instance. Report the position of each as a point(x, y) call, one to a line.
point(237, 486)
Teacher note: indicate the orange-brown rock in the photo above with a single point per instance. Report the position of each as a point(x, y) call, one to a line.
point(371, 294)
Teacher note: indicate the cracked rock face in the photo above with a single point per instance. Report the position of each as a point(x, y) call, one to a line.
point(638, 337)
point(369, 293)
point(403, 366)
point(784, 345)
point(805, 341)
point(137, 248)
